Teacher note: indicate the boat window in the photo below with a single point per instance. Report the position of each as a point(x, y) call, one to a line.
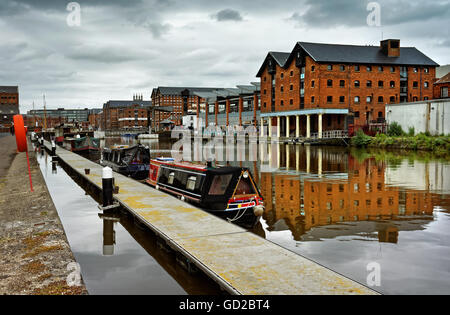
point(245, 187)
point(220, 184)
point(191, 183)
point(171, 178)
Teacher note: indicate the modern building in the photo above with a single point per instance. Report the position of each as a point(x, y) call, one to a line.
point(9, 105)
point(327, 87)
point(69, 115)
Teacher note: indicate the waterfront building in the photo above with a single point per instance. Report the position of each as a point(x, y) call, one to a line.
point(127, 114)
point(9, 106)
point(69, 115)
point(441, 87)
point(318, 88)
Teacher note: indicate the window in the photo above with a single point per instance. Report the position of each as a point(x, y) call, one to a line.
point(313, 83)
point(369, 68)
point(369, 83)
point(265, 92)
point(341, 99)
point(291, 101)
point(342, 83)
point(342, 67)
point(329, 83)
point(191, 183)
point(369, 99)
point(392, 84)
point(329, 99)
point(220, 184)
point(380, 99)
point(392, 69)
point(357, 68)
point(312, 99)
point(282, 75)
point(426, 70)
point(380, 84)
point(282, 88)
point(444, 92)
point(291, 87)
point(415, 84)
point(380, 69)
point(425, 98)
point(330, 67)
point(282, 103)
point(380, 115)
point(415, 69)
point(357, 84)
point(356, 114)
point(244, 187)
point(426, 84)
point(292, 73)
point(356, 99)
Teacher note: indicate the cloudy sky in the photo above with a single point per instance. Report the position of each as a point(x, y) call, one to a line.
point(130, 46)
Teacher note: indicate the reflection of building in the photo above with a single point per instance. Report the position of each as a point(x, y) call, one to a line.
point(362, 196)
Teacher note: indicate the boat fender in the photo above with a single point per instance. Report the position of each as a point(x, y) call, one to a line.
point(258, 210)
point(157, 187)
point(183, 198)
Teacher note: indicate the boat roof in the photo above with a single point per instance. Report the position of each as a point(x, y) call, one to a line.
point(198, 167)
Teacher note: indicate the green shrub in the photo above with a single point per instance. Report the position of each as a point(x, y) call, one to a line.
point(411, 131)
point(395, 130)
point(361, 139)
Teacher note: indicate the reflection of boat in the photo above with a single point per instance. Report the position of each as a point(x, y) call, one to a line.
point(87, 147)
point(228, 192)
point(129, 161)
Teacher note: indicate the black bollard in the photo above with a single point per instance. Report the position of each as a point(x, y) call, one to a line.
point(107, 183)
point(53, 148)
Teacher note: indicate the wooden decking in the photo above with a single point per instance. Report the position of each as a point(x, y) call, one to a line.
point(239, 261)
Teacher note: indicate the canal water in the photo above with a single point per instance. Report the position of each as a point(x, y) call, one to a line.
point(346, 209)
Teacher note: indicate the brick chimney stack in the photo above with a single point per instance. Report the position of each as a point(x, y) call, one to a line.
point(390, 47)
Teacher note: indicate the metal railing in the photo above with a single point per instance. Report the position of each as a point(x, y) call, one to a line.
point(331, 134)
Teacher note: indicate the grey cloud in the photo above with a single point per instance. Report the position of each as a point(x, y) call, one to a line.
point(227, 15)
point(320, 13)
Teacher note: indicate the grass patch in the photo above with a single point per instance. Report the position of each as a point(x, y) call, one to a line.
point(58, 288)
point(42, 249)
point(34, 267)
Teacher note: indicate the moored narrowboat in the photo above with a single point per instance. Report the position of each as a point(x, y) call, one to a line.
point(129, 161)
point(87, 147)
point(227, 192)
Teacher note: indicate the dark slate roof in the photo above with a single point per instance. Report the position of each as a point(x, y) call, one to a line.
point(121, 104)
point(279, 57)
point(364, 54)
point(9, 109)
point(166, 90)
point(444, 79)
point(9, 89)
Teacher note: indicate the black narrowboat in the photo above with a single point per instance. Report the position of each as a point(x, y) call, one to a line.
point(227, 192)
point(129, 161)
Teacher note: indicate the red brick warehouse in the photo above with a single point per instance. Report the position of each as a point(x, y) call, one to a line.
point(327, 87)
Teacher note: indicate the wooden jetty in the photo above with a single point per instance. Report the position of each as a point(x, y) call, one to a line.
point(238, 260)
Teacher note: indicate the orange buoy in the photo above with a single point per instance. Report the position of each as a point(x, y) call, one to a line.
point(19, 129)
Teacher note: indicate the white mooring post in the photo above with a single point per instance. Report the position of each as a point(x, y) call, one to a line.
point(107, 185)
